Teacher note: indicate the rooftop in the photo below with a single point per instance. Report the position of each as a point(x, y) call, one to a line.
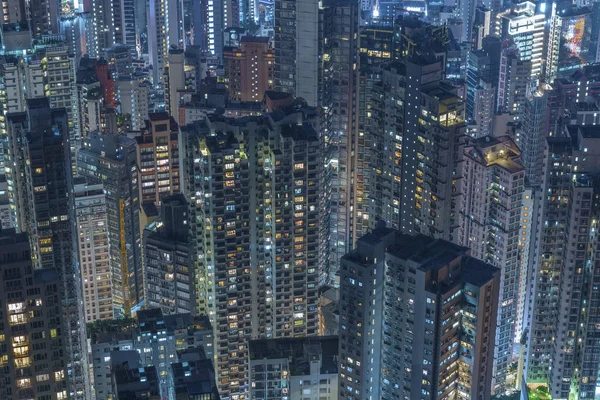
point(376, 235)
point(426, 252)
point(150, 209)
point(255, 39)
point(477, 272)
point(104, 331)
point(490, 150)
point(159, 116)
point(274, 95)
point(300, 351)
point(10, 237)
point(299, 132)
point(589, 131)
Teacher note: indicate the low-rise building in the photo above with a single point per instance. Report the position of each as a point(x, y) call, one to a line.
point(294, 368)
point(159, 340)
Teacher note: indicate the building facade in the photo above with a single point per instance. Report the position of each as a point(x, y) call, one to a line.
point(513, 82)
point(491, 217)
point(32, 342)
point(158, 158)
point(133, 99)
point(416, 120)
point(525, 25)
point(561, 348)
point(249, 69)
point(254, 193)
point(93, 250)
point(169, 269)
point(42, 176)
point(110, 159)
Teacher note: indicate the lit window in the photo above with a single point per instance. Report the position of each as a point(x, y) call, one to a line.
point(24, 383)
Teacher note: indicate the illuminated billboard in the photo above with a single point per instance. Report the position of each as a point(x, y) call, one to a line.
point(575, 40)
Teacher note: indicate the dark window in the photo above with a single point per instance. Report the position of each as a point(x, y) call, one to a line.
point(161, 128)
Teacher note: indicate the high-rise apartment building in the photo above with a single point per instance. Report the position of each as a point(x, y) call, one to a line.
point(102, 27)
point(174, 81)
point(285, 36)
point(533, 133)
point(105, 77)
point(410, 133)
point(483, 98)
point(417, 319)
point(482, 26)
point(249, 69)
point(43, 18)
point(61, 90)
point(513, 82)
point(129, 27)
point(59, 68)
point(525, 25)
point(33, 356)
point(112, 22)
point(301, 51)
point(41, 170)
point(90, 98)
point(490, 225)
point(165, 29)
point(110, 159)
point(13, 12)
point(562, 302)
point(481, 86)
point(13, 100)
point(93, 249)
point(316, 57)
point(466, 11)
point(254, 188)
point(169, 260)
point(33, 136)
point(158, 158)
point(133, 100)
point(11, 72)
point(338, 91)
point(22, 21)
point(297, 48)
point(194, 377)
point(569, 91)
point(209, 36)
point(18, 80)
point(563, 296)
point(48, 72)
